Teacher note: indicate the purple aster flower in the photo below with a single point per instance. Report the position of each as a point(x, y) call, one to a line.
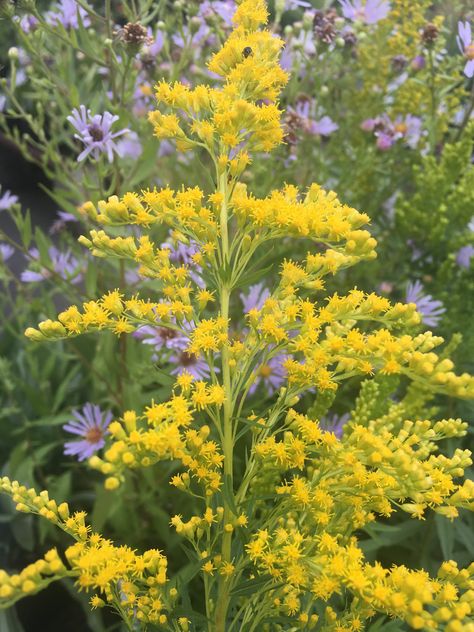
point(181, 253)
point(297, 48)
point(255, 297)
point(28, 23)
point(324, 127)
point(408, 128)
point(384, 141)
point(303, 115)
point(66, 13)
point(271, 375)
point(91, 424)
point(63, 263)
point(464, 256)
point(371, 12)
point(183, 360)
point(418, 62)
point(6, 252)
point(368, 125)
point(466, 46)
point(7, 200)
point(155, 48)
point(142, 96)
point(63, 219)
point(95, 132)
point(430, 309)
point(130, 146)
point(162, 338)
point(225, 9)
point(3, 102)
point(189, 36)
point(334, 423)
point(388, 132)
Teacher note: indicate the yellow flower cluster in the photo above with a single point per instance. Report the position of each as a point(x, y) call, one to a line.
point(162, 433)
point(31, 579)
point(319, 216)
point(315, 568)
point(326, 346)
point(132, 583)
point(244, 109)
point(182, 210)
point(314, 555)
point(208, 336)
point(118, 315)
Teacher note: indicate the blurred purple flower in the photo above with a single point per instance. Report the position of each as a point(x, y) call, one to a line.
point(7, 200)
point(466, 46)
point(464, 256)
point(303, 115)
point(255, 297)
point(418, 62)
point(181, 253)
point(182, 360)
point(95, 132)
point(271, 375)
point(142, 96)
point(296, 49)
point(6, 252)
point(91, 424)
point(225, 9)
point(3, 102)
point(67, 14)
point(63, 263)
point(324, 127)
point(63, 219)
point(334, 423)
point(189, 36)
point(130, 146)
point(155, 48)
point(408, 128)
point(162, 338)
point(384, 141)
point(371, 12)
point(388, 132)
point(28, 23)
point(430, 309)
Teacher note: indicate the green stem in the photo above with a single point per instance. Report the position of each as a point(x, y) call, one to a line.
point(227, 429)
point(434, 105)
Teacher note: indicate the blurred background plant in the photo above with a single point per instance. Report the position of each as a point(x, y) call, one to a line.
point(379, 108)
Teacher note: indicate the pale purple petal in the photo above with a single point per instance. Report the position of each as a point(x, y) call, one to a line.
point(92, 424)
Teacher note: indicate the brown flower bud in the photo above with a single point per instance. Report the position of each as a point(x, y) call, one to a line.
point(429, 33)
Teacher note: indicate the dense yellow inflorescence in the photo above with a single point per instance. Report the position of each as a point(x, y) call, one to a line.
point(136, 584)
point(285, 513)
point(162, 433)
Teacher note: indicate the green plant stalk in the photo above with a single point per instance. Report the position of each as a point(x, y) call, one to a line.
point(227, 428)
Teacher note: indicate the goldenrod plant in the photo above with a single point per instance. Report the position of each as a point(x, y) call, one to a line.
point(277, 503)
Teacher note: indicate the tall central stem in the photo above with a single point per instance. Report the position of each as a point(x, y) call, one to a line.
point(227, 430)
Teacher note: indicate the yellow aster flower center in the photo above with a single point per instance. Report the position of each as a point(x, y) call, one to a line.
point(265, 370)
point(401, 127)
point(469, 51)
point(94, 435)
